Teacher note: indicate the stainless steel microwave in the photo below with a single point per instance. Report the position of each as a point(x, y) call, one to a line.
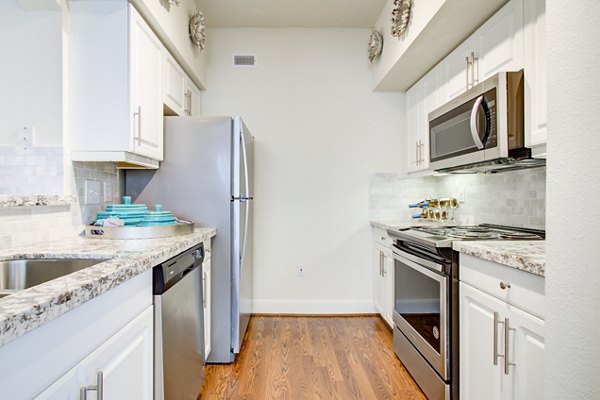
point(481, 130)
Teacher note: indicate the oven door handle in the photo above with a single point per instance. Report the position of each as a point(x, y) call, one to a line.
point(439, 268)
point(474, 130)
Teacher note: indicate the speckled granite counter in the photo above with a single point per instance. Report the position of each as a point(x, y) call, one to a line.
point(28, 309)
point(403, 224)
point(529, 256)
point(36, 200)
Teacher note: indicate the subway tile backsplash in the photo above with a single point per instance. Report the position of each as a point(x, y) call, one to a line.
point(516, 198)
point(49, 171)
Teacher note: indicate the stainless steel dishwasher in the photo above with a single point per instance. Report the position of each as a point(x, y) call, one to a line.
point(179, 327)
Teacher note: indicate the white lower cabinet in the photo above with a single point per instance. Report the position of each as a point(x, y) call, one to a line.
point(383, 261)
point(490, 330)
point(207, 303)
point(121, 368)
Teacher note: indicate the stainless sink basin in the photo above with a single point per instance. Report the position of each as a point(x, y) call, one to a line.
point(17, 275)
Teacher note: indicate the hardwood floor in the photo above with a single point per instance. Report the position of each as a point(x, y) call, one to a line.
point(292, 357)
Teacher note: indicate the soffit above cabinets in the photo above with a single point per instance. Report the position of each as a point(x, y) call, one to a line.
point(436, 28)
point(290, 13)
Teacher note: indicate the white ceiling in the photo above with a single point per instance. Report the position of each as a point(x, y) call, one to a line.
point(290, 13)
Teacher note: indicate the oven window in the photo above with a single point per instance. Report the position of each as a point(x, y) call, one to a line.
point(417, 300)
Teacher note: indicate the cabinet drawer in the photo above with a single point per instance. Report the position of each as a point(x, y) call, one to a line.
point(381, 237)
point(526, 290)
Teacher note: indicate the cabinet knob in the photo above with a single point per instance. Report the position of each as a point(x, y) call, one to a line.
point(504, 285)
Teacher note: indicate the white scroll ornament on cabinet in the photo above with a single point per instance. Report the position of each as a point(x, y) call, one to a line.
point(197, 29)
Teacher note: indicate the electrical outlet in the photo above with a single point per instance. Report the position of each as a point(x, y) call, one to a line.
point(461, 196)
point(24, 140)
point(92, 192)
point(300, 270)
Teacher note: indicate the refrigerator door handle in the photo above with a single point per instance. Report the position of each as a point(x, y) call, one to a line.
point(245, 157)
point(245, 236)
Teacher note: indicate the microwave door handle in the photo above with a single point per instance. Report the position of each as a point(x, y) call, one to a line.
point(474, 131)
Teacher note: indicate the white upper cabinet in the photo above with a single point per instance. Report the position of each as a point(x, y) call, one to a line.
point(146, 87)
point(171, 24)
point(496, 46)
point(535, 75)
point(175, 86)
point(116, 92)
point(500, 42)
point(424, 97)
point(181, 96)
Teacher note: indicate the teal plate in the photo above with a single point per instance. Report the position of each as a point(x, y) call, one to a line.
point(144, 223)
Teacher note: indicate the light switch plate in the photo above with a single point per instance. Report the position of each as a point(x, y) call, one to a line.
point(25, 140)
point(92, 192)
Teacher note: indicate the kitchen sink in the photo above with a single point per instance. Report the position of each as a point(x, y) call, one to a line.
point(17, 275)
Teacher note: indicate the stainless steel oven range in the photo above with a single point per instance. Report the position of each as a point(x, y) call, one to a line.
point(426, 300)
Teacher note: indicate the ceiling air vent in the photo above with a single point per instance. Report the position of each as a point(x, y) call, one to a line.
point(244, 61)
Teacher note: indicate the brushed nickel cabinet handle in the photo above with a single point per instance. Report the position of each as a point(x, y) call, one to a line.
point(138, 115)
point(496, 323)
point(98, 387)
point(474, 78)
point(507, 330)
point(467, 64)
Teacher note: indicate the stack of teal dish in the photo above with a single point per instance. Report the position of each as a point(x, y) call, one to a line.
point(131, 214)
point(137, 214)
point(158, 217)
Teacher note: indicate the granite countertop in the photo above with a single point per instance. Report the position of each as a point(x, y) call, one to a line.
point(28, 309)
point(36, 200)
point(526, 255)
point(384, 224)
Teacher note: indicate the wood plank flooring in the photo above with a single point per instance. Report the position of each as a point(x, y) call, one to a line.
point(299, 357)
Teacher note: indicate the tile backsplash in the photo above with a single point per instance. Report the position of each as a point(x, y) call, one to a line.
point(516, 198)
point(49, 171)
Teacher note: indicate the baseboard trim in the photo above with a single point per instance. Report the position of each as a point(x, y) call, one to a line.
point(313, 307)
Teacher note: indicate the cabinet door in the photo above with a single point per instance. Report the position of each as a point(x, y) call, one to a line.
point(66, 388)
point(414, 113)
point(454, 70)
point(125, 360)
point(174, 85)
point(146, 88)
point(535, 73)
point(431, 98)
point(500, 42)
point(479, 377)
point(207, 293)
point(379, 290)
point(195, 101)
point(527, 353)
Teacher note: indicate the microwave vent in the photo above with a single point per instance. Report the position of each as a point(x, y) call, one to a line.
point(244, 61)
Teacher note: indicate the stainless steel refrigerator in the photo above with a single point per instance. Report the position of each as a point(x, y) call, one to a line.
point(207, 177)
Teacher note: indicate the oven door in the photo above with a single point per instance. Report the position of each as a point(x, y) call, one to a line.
point(421, 307)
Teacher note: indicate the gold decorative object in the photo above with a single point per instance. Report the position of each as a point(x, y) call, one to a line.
point(400, 17)
point(375, 45)
point(197, 29)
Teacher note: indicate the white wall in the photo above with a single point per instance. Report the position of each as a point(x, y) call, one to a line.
point(319, 132)
point(30, 73)
point(572, 278)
